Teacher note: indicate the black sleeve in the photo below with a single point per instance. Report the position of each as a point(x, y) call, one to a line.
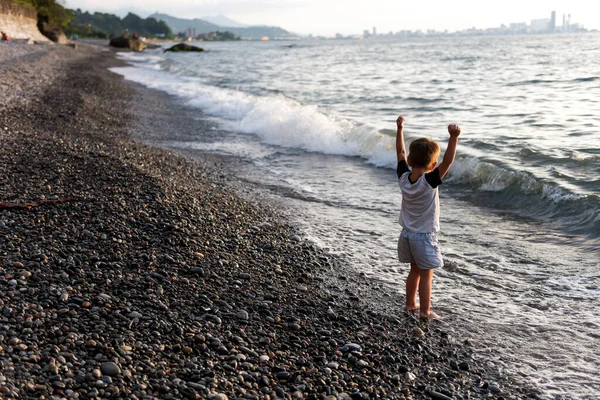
point(433, 178)
point(402, 168)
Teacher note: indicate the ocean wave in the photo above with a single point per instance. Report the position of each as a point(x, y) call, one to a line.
point(488, 177)
point(572, 159)
point(424, 100)
point(281, 121)
point(274, 119)
point(588, 79)
point(547, 81)
point(435, 109)
point(530, 82)
point(460, 58)
point(505, 189)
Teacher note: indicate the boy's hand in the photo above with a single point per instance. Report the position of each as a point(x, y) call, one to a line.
point(400, 149)
point(400, 122)
point(453, 130)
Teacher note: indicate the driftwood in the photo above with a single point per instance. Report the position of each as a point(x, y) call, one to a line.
point(27, 206)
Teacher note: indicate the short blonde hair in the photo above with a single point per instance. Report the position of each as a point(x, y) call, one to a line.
point(423, 152)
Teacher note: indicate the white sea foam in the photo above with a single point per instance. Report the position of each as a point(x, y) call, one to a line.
point(275, 120)
point(581, 286)
point(144, 60)
point(245, 149)
point(583, 158)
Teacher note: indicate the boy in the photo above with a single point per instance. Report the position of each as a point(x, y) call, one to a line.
point(420, 215)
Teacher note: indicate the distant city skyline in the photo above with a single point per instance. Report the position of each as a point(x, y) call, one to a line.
point(330, 17)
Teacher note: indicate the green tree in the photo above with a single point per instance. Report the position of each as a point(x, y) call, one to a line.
point(109, 25)
point(50, 11)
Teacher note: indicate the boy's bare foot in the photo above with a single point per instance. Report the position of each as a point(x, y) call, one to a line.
point(431, 315)
point(411, 309)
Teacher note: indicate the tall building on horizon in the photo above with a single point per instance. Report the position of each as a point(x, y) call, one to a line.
point(552, 26)
point(568, 24)
point(374, 31)
point(190, 33)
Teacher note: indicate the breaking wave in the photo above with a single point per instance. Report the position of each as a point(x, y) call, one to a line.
point(280, 121)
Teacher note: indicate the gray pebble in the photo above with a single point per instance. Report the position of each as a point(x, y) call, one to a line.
point(110, 368)
point(333, 365)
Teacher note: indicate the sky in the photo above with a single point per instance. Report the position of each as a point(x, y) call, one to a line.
point(327, 17)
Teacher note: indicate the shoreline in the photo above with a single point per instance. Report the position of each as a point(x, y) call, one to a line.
point(156, 282)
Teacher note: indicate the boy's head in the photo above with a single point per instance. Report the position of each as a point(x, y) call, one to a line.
point(423, 153)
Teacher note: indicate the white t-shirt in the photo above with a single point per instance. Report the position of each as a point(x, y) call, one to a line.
point(420, 211)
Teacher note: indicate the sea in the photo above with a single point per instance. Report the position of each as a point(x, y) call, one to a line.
point(312, 124)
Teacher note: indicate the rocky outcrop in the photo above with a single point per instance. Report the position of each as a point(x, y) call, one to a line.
point(20, 22)
point(184, 47)
point(53, 33)
point(127, 41)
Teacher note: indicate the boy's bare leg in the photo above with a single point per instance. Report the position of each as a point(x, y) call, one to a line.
point(412, 283)
point(426, 276)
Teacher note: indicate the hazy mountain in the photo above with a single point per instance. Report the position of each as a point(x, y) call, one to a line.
point(257, 32)
point(223, 21)
point(179, 25)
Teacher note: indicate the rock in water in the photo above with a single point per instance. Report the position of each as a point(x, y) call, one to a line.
point(183, 47)
point(110, 369)
point(127, 42)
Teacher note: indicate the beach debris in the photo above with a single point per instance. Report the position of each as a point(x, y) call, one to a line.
point(4, 37)
point(409, 376)
point(27, 206)
point(418, 331)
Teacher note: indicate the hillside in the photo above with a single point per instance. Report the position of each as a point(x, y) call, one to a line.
point(223, 21)
point(20, 21)
point(108, 25)
point(178, 25)
point(256, 32)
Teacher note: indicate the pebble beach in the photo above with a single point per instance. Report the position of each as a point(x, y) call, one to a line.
point(130, 272)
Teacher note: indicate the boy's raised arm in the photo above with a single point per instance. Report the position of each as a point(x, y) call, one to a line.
point(400, 149)
point(454, 131)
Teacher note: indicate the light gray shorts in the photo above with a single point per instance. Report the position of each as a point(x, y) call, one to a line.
point(422, 249)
